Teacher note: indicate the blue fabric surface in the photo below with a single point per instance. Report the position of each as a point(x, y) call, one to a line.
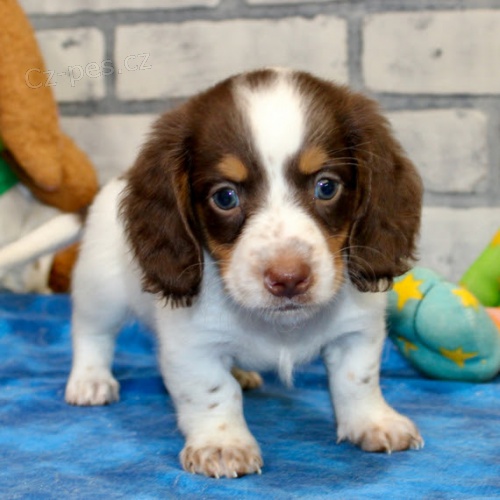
point(129, 449)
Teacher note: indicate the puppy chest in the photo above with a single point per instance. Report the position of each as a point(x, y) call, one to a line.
point(280, 351)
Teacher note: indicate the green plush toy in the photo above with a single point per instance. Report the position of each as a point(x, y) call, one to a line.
point(442, 328)
point(483, 277)
point(7, 178)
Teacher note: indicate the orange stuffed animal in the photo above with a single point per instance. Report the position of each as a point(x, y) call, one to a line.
point(44, 159)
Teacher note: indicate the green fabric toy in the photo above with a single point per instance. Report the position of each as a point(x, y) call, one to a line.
point(483, 277)
point(7, 178)
point(442, 329)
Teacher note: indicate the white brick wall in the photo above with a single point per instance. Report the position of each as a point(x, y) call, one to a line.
point(437, 70)
point(281, 2)
point(111, 141)
point(448, 146)
point(65, 6)
point(433, 52)
point(75, 63)
point(194, 55)
point(451, 239)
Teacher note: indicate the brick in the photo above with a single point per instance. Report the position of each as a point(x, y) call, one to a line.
point(451, 239)
point(111, 141)
point(281, 2)
point(75, 63)
point(433, 52)
point(188, 57)
point(448, 146)
point(65, 7)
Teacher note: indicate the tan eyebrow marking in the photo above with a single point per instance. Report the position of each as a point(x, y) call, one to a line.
point(312, 160)
point(232, 168)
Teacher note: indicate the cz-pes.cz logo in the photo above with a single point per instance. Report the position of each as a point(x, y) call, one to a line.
point(135, 62)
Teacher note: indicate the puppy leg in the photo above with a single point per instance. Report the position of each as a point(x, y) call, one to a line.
point(208, 400)
point(363, 416)
point(103, 287)
point(91, 381)
point(99, 307)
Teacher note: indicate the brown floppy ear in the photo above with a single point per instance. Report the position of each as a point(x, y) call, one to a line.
point(156, 210)
point(383, 238)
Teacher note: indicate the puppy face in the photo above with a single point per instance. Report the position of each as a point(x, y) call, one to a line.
point(275, 210)
point(290, 182)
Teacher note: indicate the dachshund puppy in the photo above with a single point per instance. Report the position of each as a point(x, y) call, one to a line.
point(259, 227)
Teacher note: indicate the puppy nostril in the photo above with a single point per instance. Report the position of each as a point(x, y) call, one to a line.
point(288, 281)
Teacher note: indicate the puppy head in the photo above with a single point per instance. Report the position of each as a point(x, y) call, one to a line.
point(290, 182)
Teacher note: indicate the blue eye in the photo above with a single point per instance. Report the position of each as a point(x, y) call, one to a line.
point(326, 189)
point(226, 198)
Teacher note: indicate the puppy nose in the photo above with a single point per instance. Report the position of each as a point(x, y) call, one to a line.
point(288, 277)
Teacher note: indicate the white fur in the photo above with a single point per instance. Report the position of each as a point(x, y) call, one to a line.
point(276, 119)
point(199, 344)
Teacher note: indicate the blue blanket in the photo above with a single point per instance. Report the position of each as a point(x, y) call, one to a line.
point(130, 449)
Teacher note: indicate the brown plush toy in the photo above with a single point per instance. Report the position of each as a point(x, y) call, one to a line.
point(47, 161)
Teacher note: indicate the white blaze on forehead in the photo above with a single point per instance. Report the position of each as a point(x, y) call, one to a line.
point(275, 113)
point(276, 119)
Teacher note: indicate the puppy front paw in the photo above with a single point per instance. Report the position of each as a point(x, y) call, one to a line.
point(222, 460)
point(387, 432)
point(92, 389)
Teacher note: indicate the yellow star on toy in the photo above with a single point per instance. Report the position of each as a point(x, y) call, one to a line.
point(468, 300)
point(458, 356)
point(407, 289)
point(407, 345)
point(496, 240)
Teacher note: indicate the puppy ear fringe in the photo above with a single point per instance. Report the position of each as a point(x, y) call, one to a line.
point(172, 300)
point(156, 212)
point(179, 302)
point(382, 243)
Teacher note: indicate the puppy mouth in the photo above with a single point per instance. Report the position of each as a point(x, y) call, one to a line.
point(290, 311)
point(289, 308)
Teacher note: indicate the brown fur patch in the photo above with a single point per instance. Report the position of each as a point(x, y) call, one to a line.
point(312, 160)
point(221, 252)
point(247, 379)
point(233, 169)
point(336, 245)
